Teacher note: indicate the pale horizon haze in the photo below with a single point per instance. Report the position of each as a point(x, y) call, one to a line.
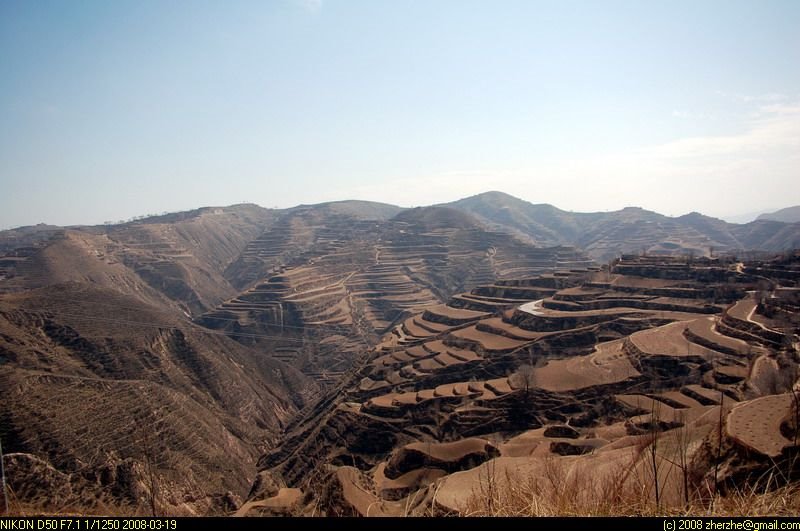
point(110, 110)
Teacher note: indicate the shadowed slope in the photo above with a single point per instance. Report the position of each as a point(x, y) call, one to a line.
point(95, 380)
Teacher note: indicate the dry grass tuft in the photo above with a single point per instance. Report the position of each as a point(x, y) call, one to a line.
point(559, 492)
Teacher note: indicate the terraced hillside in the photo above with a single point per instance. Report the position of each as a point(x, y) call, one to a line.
point(333, 283)
point(112, 397)
point(606, 235)
point(237, 332)
point(108, 402)
point(106, 314)
point(176, 260)
point(558, 377)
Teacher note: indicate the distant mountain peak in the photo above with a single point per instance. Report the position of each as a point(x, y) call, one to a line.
point(606, 234)
point(496, 193)
point(694, 215)
point(785, 215)
point(498, 198)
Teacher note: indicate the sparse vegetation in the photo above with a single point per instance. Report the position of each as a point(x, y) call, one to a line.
point(550, 386)
point(567, 495)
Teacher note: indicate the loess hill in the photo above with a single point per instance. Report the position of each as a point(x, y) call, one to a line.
point(356, 357)
point(587, 392)
point(110, 392)
point(320, 286)
point(153, 362)
point(606, 235)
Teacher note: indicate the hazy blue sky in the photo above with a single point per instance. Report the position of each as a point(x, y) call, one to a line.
point(110, 109)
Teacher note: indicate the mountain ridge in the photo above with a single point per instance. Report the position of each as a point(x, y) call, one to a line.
point(604, 235)
point(246, 316)
point(786, 215)
point(350, 204)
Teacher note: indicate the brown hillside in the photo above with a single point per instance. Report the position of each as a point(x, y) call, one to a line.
point(570, 385)
point(96, 381)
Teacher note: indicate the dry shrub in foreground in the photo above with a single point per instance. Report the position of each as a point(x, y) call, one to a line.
point(559, 491)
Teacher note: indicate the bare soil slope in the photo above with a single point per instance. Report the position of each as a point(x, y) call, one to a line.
point(552, 381)
point(98, 385)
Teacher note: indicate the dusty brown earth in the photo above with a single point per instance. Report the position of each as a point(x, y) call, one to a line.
point(569, 390)
point(149, 364)
point(356, 358)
